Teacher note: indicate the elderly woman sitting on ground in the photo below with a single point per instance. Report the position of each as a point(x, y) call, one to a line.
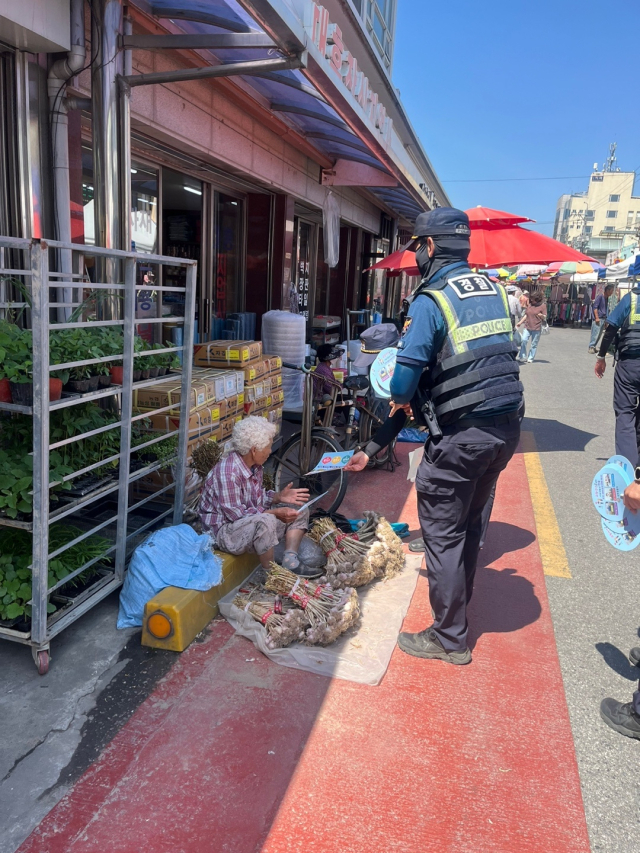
point(240, 513)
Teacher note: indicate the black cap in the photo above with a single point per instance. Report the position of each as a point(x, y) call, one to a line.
point(327, 352)
point(442, 222)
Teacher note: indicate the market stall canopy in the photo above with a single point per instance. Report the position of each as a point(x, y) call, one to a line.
point(479, 215)
point(529, 270)
point(572, 267)
point(398, 262)
point(624, 269)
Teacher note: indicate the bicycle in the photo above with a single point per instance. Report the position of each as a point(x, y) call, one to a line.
point(315, 441)
point(301, 453)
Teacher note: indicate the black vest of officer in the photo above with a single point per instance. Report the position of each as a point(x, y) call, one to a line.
point(476, 372)
point(629, 334)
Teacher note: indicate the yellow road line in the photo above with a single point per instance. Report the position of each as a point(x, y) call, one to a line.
point(554, 556)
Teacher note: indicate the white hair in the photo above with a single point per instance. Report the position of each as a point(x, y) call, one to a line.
point(251, 432)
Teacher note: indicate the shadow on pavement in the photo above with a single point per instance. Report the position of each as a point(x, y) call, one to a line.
point(502, 538)
point(503, 601)
point(618, 661)
point(551, 435)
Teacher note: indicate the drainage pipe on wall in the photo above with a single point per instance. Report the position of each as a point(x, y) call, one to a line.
point(59, 75)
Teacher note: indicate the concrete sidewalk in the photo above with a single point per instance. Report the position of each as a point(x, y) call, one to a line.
point(233, 753)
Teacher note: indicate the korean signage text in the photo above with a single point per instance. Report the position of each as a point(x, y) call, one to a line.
point(327, 37)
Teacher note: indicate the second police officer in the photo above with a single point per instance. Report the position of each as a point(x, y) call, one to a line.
point(457, 350)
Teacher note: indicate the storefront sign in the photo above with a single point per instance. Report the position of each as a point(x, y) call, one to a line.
point(327, 37)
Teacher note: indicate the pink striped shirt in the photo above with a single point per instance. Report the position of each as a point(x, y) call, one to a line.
point(231, 491)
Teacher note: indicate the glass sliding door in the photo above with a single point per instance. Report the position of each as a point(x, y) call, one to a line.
point(229, 255)
point(145, 239)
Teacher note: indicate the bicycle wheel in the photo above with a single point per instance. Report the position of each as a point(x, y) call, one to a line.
point(287, 470)
point(369, 426)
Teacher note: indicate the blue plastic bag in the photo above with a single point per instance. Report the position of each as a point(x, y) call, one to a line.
point(413, 435)
point(173, 556)
point(400, 528)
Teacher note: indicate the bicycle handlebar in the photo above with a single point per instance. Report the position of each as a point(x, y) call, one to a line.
point(302, 368)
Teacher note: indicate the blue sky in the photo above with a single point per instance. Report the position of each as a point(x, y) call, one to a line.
point(520, 89)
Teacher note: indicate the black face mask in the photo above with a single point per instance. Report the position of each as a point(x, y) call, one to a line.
point(448, 250)
point(423, 260)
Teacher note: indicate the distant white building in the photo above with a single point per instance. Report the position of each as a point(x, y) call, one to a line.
point(604, 218)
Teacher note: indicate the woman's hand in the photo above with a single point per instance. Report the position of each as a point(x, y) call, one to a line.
point(289, 495)
point(358, 462)
point(284, 513)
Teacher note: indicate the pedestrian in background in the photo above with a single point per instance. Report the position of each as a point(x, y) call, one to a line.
point(515, 304)
point(600, 311)
point(534, 315)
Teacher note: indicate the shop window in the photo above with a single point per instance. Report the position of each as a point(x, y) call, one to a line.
point(229, 214)
point(144, 209)
point(9, 171)
point(144, 239)
point(181, 238)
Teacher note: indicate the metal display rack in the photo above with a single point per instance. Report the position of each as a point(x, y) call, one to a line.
point(38, 280)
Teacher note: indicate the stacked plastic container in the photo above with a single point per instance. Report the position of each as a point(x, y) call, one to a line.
point(283, 334)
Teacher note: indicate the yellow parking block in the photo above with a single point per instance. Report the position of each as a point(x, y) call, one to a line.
point(174, 617)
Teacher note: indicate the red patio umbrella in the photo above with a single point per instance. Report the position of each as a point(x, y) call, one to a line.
point(398, 262)
point(479, 216)
point(493, 245)
point(496, 240)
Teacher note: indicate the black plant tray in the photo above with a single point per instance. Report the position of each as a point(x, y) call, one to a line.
point(64, 599)
point(84, 486)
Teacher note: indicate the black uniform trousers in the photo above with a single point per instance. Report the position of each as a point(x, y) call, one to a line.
point(626, 405)
point(454, 483)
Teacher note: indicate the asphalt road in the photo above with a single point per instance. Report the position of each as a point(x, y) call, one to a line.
point(596, 613)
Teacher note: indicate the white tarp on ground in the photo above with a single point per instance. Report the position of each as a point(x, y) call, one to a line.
point(361, 654)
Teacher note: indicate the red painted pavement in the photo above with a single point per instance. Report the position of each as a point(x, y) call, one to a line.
point(232, 755)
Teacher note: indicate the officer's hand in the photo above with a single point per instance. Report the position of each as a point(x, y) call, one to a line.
point(358, 462)
point(601, 366)
point(631, 497)
point(395, 407)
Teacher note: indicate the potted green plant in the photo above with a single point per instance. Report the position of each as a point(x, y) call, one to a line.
point(17, 364)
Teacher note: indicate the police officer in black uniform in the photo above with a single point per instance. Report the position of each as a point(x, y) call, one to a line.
point(457, 368)
point(623, 332)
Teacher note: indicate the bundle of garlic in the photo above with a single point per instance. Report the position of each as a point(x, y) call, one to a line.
point(283, 622)
point(346, 556)
point(330, 612)
point(344, 614)
point(386, 554)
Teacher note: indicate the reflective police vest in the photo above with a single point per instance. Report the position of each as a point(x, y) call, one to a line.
point(629, 334)
point(476, 372)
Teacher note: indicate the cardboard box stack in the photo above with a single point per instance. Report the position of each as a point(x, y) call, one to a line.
point(230, 379)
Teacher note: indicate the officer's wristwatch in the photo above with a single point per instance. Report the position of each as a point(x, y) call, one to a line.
point(637, 474)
